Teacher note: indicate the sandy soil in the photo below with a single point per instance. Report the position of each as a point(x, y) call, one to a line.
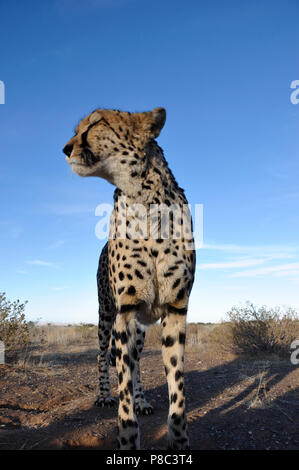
point(232, 403)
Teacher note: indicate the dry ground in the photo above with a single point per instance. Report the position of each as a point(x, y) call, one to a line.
point(47, 395)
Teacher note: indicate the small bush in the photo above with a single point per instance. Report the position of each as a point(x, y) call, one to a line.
point(263, 330)
point(14, 331)
point(87, 330)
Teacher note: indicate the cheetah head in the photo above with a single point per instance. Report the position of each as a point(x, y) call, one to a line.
point(105, 139)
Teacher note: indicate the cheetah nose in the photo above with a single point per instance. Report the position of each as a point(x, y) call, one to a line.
point(67, 150)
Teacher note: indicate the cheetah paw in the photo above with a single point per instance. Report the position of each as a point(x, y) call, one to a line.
point(180, 444)
point(105, 402)
point(144, 409)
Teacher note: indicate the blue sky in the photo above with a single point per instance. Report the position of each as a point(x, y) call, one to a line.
point(223, 72)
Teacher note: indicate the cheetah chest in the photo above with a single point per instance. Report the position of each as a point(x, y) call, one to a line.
point(149, 273)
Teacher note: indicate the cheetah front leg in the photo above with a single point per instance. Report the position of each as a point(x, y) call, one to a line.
point(142, 407)
point(126, 356)
point(106, 320)
point(104, 398)
point(173, 346)
point(141, 404)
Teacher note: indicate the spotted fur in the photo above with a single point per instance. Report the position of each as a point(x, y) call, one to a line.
point(144, 275)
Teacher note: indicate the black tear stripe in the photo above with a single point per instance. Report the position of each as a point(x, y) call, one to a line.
point(88, 156)
point(84, 135)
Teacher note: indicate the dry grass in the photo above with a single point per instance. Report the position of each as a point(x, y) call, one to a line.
point(51, 341)
point(226, 336)
point(53, 336)
point(198, 334)
point(260, 398)
point(57, 335)
point(258, 332)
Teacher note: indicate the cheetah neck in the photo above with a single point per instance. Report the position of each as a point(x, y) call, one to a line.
point(154, 183)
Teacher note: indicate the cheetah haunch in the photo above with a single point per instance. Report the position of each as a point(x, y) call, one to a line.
point(145, 273)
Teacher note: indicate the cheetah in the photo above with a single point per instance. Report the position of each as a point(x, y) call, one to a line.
point(146, 270)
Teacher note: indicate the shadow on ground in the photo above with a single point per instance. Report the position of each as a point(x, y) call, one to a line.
point(239, 404)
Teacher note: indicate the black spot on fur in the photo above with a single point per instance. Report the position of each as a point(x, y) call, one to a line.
point(168, 341)
point(126, 359)
point(123, 338)
point(182, 338)
point(173, 398)
point(130, 386)
point(173, 361)
point(138, 274)
point(126, 409)
point(178, 375)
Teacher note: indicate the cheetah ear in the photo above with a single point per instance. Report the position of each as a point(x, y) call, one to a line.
point(158, 121)
point(151, 122)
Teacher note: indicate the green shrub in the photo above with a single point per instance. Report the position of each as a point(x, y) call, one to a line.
point(263, 330)
point(14, 331)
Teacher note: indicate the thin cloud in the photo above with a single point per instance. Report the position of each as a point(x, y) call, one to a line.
point(56, 244)
point(60, 288)
point(21, 271)
point(16, 232)
point(233, 264)
point(11, 228)
point(287, 197)
point(269, 250)
point(39, 262)
point(276, 270)
point(70, 209)
point(289, 273)
point(253, 256)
